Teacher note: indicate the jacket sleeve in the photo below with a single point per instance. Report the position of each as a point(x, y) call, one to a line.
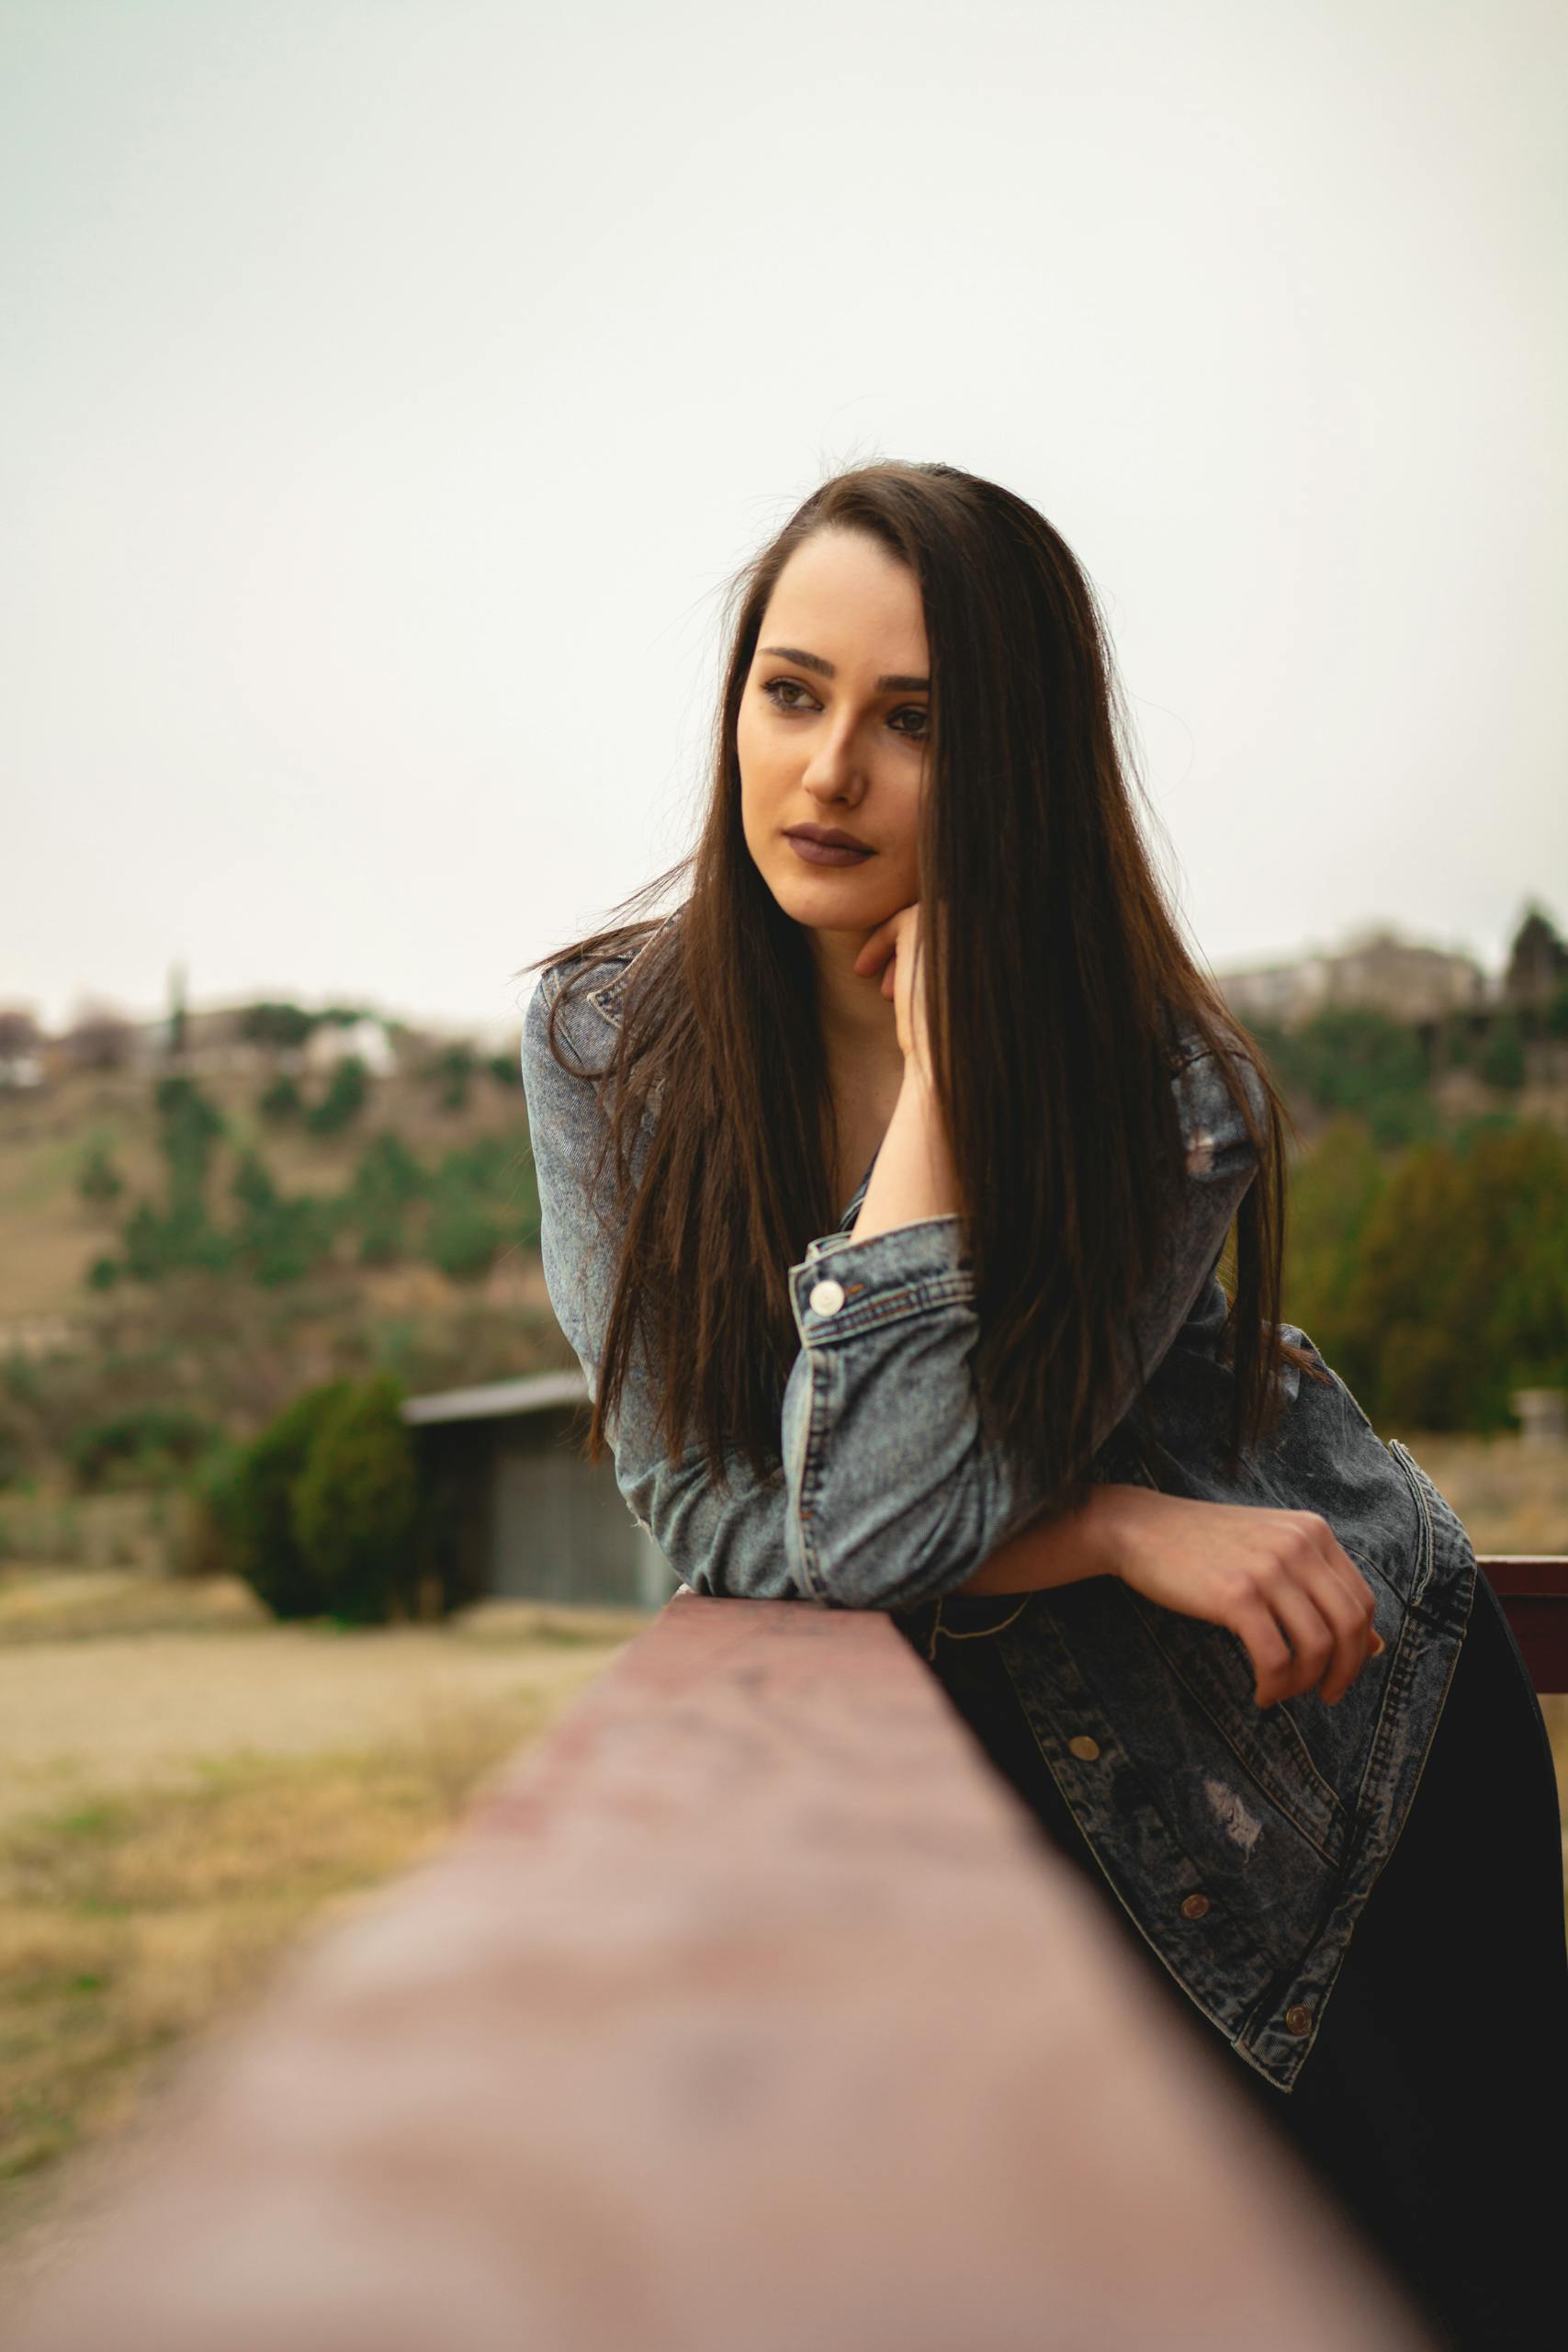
point(895, 1495)
point(728, 1543)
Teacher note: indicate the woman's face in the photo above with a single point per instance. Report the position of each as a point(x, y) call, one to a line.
point(832, 731)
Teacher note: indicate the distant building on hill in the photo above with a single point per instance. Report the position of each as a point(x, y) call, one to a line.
point(216, 1040)
point(1375, 967)
point(364, 1040)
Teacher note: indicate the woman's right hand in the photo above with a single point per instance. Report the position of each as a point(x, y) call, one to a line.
point(1278, 1579)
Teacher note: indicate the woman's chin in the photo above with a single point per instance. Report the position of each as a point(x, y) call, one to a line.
point(837, 899)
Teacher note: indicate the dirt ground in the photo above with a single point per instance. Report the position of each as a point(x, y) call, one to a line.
point(117, 1713)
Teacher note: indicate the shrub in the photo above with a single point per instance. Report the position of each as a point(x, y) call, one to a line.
point(276, 1024)
point(206, 1537)
point(343, 1100)
point(1461, 1288)
point(254, 1507)
point(453, 1072)
point(1352, 1057)
point(463, 1237)
point(99, 1180)
point(1502, 1060)
point(357, 1509)
point(279, 1102)
point(149, 1442)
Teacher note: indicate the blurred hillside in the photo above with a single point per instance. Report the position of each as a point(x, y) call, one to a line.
point(204, 1215)
point(192, 1237)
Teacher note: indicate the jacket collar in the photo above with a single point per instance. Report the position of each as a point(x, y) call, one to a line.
point(607, 997)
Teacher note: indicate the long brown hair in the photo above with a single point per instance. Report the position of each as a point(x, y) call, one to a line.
point(1055, 984)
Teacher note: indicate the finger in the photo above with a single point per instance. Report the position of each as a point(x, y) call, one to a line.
point(1268, 1649)
point(873, 950)
point(1353, 1581)
point(1306, 1628)
point(1345, 1610)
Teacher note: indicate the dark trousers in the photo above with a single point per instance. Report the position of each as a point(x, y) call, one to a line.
point(1433, 2108)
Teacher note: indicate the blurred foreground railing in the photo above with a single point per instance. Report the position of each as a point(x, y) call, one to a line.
point(1533, 1589)
point(749, 2012)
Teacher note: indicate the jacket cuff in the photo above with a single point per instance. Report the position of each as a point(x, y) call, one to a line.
point(845, 1286)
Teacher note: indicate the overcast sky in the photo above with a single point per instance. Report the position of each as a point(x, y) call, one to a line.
point(390, 386)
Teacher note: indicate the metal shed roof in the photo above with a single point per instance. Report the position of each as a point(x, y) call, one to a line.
point(534, 1394)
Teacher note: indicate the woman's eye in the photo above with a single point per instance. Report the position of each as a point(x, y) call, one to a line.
point(776, 688)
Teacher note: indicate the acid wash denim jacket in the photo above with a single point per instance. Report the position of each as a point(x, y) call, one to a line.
point(1277, 1820)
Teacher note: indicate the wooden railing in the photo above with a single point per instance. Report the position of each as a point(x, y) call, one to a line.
point(1533, 1589)
point(749, 2012)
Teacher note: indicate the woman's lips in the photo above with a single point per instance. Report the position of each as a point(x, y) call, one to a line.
point(825, 852)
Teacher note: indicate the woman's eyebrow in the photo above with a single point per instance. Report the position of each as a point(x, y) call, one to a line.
point(893, 683)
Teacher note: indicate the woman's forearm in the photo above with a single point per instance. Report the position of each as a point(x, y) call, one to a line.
point(913, 1177)
point(1063, 1550)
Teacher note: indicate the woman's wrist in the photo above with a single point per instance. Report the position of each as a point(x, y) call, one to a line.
point(1067, 1549)
point(914, 1176)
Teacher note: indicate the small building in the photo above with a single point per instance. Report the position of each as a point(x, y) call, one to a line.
point(365, 1039)
point(521, 1512)
point(1374, 968)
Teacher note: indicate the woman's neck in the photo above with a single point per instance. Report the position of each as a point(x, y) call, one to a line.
point(860, 1040)
point(860, 1028)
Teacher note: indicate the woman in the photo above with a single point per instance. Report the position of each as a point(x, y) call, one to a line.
point(1230, 1648)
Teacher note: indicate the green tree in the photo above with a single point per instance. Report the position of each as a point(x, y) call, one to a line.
point(453, 1072)
point(343, 1100)
point(469, 1195)
point(181, 1234)
point(356, 1507)
point(278, 1239)
point(1352, 1057)
point(280, 1102)
point(1501, 1061)
point(98, 1179)
point(386, 1182)
point(147, 1444)
point(1333, 1190)
point(278, 1025)
point(1461, 1291)
point(255, 1507)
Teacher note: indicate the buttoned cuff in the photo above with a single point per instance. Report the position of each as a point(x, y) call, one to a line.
point(842, 1286)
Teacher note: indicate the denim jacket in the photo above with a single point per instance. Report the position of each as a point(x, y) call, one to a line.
point(1241, 1841)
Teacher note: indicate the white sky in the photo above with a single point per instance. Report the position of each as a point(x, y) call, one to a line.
point(389, 385)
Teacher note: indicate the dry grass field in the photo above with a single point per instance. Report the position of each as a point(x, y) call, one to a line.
point(186, 1787)
point(178, 1803)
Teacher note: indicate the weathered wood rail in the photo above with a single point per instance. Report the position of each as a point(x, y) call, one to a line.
point(1533, 1589)
point(748, 2011)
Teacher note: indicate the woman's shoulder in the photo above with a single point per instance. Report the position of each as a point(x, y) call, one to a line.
point(1206, 1073)
point(580, 997)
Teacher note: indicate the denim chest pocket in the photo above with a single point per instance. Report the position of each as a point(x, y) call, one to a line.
point(1425, 1496)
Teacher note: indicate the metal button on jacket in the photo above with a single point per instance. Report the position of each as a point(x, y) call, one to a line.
point(1085, 1746)
point(826, 1297)
point(1298, 2018)
point(1194, 1906)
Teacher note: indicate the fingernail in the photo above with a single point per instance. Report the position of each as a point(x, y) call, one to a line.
point(1378, 1645)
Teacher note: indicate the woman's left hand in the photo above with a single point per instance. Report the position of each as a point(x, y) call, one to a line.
point(894, 948)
